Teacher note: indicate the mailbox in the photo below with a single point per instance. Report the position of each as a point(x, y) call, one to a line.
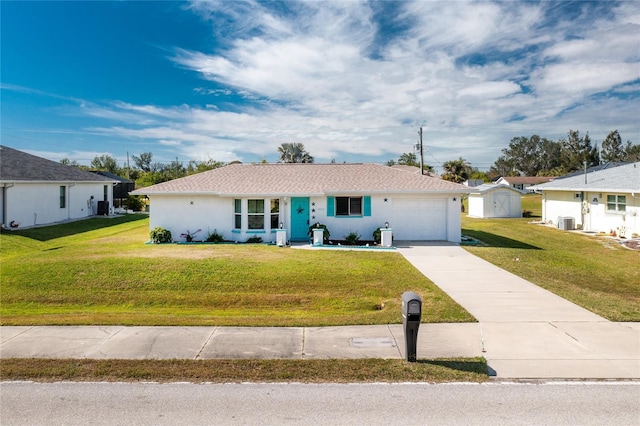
point(411, 315)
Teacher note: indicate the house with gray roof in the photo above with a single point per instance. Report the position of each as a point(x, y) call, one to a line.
point(244, 200)
point(602, 200)
point(523, 182)
point(36, 191)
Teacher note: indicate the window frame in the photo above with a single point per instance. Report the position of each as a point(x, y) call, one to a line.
point(275, 213)
point(237, 213)
point(616, 203)
point(350, 204)
point(255, 218)
point(63, 196)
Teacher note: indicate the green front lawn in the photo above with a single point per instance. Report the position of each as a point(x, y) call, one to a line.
point(596, 273)
point(98, 271)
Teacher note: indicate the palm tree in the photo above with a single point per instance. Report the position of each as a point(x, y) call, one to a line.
point(294, 153)
point(456, 170)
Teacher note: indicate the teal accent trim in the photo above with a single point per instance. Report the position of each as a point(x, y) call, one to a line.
point(236, 231)
point(257, 231)
point(367, 205)
point(331, 209)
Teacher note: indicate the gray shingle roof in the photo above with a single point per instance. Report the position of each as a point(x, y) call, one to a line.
point(18, 166)
point(303, 179)
point(624, 178)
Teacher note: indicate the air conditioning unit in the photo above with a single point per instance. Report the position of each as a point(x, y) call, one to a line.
point(566, 223)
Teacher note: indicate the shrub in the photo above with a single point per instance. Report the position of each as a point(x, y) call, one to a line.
point(254, 240)
point(352, 239)
point(160, 235)
point(325, 233)
point(527, 213)
point(188, 236)
point(214, 237)
point(134, 203)
point(377, 236)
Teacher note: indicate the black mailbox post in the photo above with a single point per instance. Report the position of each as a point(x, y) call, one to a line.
point(411, 314)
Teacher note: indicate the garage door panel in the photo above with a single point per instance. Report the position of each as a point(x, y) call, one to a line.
point(422, 220)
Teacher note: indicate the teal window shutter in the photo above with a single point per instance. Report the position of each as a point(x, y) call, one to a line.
point(331, 210)
point(367, 205)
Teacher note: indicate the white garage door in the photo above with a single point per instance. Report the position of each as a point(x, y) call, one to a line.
point(420, 220)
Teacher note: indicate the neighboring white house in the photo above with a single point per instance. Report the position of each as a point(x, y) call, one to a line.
point(523, 182)
point(604, 200)
point(37, 191)
point(244, 200)
point(495, 200)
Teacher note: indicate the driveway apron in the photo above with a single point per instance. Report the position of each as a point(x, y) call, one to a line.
point(526, 331)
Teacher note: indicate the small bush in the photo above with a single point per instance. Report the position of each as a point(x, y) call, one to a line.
point(527, 213)
point(160, 235)
point(352, 239)
point(214, 237)
point(254, 240)
point(377, 236)
point(188, 236)
point(325, 233)
point(135, 203)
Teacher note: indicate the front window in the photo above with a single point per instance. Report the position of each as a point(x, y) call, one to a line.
point(616, 203)
point(237, 214)
point(275, 213)
point(348, 206)
point(63, 197)
point(105, 193)
point(255, 210)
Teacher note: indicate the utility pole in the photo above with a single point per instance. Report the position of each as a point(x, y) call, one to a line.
point(421, 153)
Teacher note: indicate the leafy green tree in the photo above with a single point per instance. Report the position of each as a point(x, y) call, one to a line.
point(68, 162)
point(612, 148)
point(294, 153)
point(143, 162)
point(577, 150)
point(105, 163)
point(456, 170)
point(632, 152)
point(502, 167)
point(409, 159)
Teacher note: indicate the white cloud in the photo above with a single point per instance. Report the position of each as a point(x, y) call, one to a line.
point(328, 74)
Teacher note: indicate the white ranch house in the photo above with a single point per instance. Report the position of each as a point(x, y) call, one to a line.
point(37, 191)
point(240, 201)
point(603, 200)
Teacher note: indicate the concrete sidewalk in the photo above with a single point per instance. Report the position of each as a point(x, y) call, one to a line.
point(526, 331)
point(119, 342)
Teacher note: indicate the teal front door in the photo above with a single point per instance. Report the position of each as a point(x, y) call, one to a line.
point(299, 218)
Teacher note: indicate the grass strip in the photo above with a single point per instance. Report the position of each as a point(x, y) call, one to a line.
point(240, 370)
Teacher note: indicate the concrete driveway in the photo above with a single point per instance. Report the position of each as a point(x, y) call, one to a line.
point(526, 331)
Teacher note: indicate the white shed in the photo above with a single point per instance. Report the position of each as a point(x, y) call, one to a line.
point(495, 200)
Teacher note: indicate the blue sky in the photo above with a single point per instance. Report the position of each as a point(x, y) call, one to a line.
point(353, 81)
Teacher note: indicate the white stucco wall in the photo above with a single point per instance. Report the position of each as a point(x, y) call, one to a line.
point(595, 217)
point(179, 213)
point(32, 204)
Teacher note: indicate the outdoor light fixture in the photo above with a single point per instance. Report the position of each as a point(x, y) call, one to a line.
point(281, 225)
point(386, 225)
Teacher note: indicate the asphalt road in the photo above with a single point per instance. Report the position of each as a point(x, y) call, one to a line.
point(569, 403)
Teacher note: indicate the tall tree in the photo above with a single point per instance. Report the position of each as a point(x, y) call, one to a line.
point(502, 167)
point(577, 150)
point(632, 152)
point(294, 153)
point(409, 159)
point(143, 162)
point(456, 170)
point(612, 148)
point(105, 163)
